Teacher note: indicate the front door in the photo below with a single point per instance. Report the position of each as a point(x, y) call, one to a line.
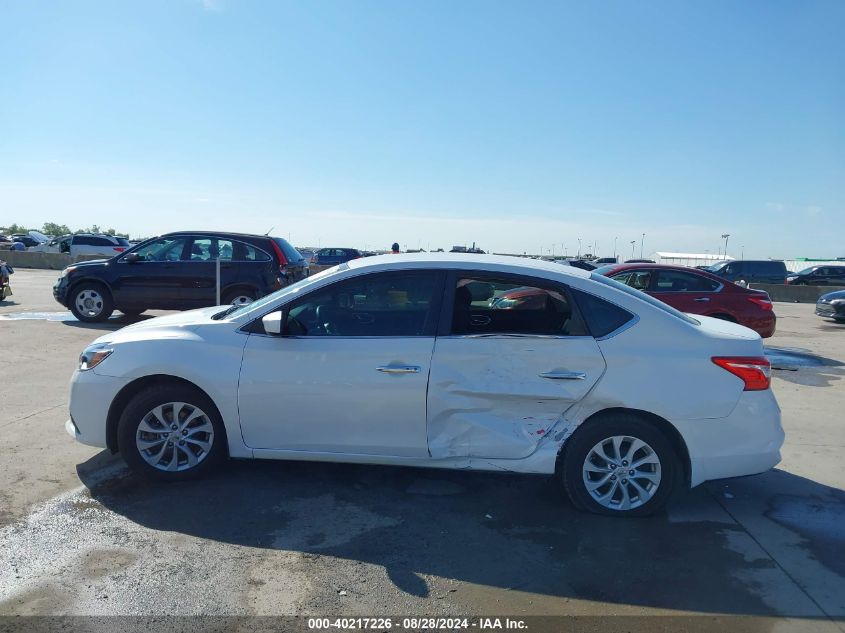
point(350, 372)
point(153, 281)
point(516, 356)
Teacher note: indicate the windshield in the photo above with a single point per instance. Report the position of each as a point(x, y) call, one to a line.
point(603, 270)
point(714, 267)
point(293, 289)
point(643, 297)
point(807, 271)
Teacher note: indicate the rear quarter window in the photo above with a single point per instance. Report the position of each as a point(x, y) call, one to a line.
point(602, 317)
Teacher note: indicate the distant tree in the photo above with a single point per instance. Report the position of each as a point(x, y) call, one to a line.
point(51, 228)
point(15, 228)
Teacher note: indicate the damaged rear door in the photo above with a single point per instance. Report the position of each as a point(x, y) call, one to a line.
point(513, 355)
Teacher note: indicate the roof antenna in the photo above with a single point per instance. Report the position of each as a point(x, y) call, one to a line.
point(268, 230)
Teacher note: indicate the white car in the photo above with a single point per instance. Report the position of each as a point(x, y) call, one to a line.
point(444, 361)
point(84, 244)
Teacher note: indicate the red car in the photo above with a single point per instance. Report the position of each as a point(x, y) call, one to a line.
point(698, 292)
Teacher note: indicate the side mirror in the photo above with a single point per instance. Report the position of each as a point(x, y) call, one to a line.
point(132, 258)
point(272, 323)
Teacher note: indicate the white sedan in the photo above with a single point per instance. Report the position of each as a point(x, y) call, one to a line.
point(442, 361)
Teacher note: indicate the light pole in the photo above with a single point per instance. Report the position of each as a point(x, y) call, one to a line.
point(632, 248)
point(579, 248)
point(743, 252)
point(641, 246)
point(614, 247)
point(725, 237)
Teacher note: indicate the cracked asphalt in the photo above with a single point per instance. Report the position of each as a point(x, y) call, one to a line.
point(80, 536)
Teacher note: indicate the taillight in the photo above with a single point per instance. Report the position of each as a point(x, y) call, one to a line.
point(754, 371)
point(763, 302)
point(119, 249)
point(282, 259)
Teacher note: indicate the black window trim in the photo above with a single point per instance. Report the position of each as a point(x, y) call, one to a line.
point(446, 312)
point(430, 329)
point(653, 282)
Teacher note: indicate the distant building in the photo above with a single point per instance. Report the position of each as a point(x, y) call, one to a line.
point(688, 259)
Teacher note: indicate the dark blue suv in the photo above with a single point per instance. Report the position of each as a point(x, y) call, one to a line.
point(178, 271)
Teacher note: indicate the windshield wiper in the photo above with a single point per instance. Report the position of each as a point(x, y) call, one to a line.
point(225, 312)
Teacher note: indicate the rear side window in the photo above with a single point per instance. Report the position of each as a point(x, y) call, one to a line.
point(291, 254)
point(774, 268)
point(91, 240)
point(513, 306)
point(678, 281)
point(243, 252)
point(602, 317)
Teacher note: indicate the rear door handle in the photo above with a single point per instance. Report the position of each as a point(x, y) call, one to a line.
point(702, 299)
point(564, 375)
point(399, 369)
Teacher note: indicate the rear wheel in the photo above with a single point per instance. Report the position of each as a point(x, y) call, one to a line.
point(620, 466)
point(239, 297)
point(171, 432)
point(91, 302)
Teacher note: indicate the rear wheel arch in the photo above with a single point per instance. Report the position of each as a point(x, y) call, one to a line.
point(661, 424)
point(724, 316)
point(125, 395)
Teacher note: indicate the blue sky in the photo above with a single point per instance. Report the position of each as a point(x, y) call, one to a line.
point(518, 125)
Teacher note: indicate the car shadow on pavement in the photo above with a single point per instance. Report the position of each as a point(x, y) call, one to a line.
point(114, 323)
point(512, 532)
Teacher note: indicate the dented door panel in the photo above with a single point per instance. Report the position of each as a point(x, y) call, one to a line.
point(488, 396)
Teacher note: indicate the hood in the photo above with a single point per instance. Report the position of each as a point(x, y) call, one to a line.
point(170, 326)
point(89, 263)
point(832, 296)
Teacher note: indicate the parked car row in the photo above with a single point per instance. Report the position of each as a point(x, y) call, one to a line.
point(178, 271)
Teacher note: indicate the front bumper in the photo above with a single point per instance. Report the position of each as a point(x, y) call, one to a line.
point(831, 310)
point(60, 289)
point(746, 442)
point(91, 396)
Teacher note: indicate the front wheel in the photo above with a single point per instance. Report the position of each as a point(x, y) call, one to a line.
point(620, 466)
point(91, 302)
point(171, 432)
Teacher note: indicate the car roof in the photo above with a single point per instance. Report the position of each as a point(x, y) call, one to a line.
point(465, 261)
point(222, 233)
point(683, 269)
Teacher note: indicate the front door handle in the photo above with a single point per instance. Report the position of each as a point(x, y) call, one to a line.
point(564, 375)
point(399, 369)
point(702, 299)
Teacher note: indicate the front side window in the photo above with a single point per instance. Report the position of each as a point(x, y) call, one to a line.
point(510, 306)
point(165, 249)
point(386, 304)
point(678, 281)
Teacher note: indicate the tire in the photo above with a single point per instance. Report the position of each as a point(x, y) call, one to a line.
point(242, 296)
point(91, 302)
point(581, 453)
point(150, 453)
point(131, 313)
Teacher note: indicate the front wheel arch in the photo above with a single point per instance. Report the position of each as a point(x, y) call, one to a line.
point(125, 395)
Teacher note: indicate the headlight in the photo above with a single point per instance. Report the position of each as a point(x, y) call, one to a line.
point(836, 302)
point(68, 270)
point(90, 358)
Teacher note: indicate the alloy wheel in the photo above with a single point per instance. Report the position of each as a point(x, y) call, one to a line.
point(175, 436)
point(89, 302)
point(621, 472)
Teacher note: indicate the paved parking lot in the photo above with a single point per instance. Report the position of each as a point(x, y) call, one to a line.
point(78, 535)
